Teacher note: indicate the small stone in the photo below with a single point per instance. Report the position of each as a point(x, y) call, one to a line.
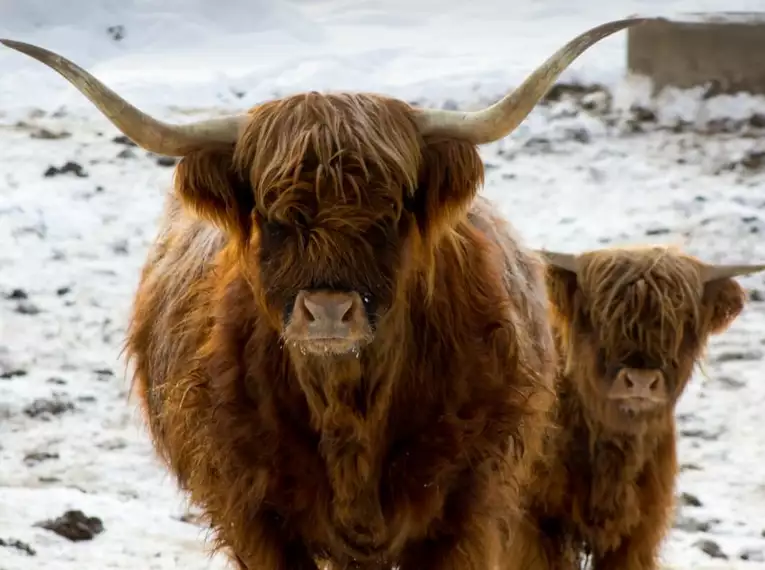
point(17, 295)
point(710, 548)
point(122, 139)
point(27, 308)
point(18, 545)
point(166, 161)
point(46, 134)
point(752, 555)
point(39, 456)
point(69, 167)
point(690, 524)
point(732, 356)
point(74, 525)
point(689, 500)
point(44, 408)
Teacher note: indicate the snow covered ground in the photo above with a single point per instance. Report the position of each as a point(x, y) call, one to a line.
point(580, 173)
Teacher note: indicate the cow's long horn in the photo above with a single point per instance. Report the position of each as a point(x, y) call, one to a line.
point(501, 118)
point(566, 261)
point(714, 272)
point(146, 131)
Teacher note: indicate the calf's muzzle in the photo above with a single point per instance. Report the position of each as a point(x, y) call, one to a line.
point(639, 389)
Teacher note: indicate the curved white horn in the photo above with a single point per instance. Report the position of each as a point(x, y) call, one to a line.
point(146, 131)
point(501, 118)
point(715, 272)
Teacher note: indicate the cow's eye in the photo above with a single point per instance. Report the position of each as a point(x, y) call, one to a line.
point(274, 230)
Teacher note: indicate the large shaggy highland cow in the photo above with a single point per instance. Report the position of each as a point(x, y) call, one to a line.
point(630, 325)
point(341, 355)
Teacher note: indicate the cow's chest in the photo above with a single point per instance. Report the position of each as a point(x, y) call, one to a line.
point(346, 458)
point(605, 496)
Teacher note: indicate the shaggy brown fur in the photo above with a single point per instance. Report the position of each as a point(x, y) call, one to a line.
point(608, 484)
point(412, 450)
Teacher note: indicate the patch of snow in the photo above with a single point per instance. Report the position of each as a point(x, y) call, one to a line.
point(569, 179)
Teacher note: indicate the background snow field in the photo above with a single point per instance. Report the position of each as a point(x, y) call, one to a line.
point(593, 165)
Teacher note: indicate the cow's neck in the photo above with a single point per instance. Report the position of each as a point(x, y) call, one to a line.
point(348, 399)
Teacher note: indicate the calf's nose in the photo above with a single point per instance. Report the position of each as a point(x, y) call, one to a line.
point(638, 383)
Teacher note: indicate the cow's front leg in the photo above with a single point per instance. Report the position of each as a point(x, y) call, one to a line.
point(474, 546)
point(264, 547)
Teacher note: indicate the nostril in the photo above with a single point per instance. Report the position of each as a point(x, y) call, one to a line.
point(654, 385)
point(628, 382)
point(348, 313)
point(309, 310)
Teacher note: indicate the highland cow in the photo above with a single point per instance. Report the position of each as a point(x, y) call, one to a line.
point(630, 325)
point(340, 354)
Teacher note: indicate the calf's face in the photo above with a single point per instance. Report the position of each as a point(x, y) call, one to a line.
point(633, 324)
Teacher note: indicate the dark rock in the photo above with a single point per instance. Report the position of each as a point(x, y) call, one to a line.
point(732, 356)
point(122, 139)
point(46, 134)
point(753, 160)
point(757, 121)
point(68, 168)
point(642, 115)
point(690, 524)
point(166, 161)
point(579, 135)
point(117, 32)
point(44, 408)
point(18, 545)
point(752, 555)
point(126, 153)
point(17, 295)
point(657, 231)
point(74, 525)
point(27, 308)
point(689, 500)
point(7, 372)
point(39, 456)
point(711, 548)
point(730, 382)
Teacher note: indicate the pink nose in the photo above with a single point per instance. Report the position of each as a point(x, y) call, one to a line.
point(328, 308)
point(329, 314)
point(639, 383)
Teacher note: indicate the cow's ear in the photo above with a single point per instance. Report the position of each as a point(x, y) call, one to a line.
point(451, 173)
point(208, 183)
point(562, 291)
point(723, 301)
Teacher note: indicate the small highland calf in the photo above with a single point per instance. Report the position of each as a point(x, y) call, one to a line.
point(630, 325)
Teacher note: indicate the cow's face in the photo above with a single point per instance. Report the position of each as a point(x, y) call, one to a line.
point(330, 216)
point(338, 201)
point(634, 324)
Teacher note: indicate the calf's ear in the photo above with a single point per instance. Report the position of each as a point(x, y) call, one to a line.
point(450, 176)
point(722, 302)
point(562, 291)
point(208, 183)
